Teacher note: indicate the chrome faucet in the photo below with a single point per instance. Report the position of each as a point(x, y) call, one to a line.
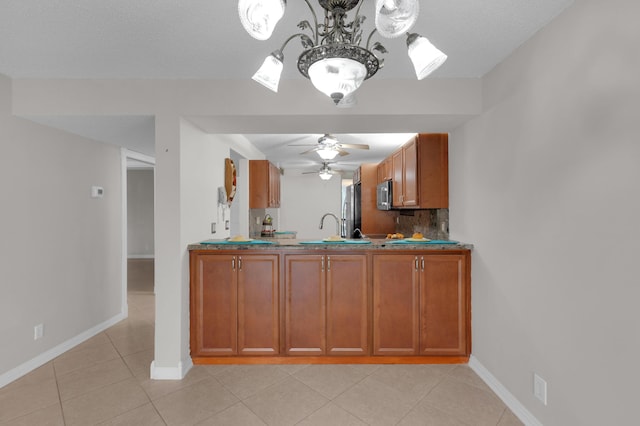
point(337, 222)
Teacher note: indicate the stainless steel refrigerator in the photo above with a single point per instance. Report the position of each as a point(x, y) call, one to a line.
point(350, 210)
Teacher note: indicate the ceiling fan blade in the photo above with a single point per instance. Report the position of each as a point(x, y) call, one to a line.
point(298, 139)
point(354, 145)
point(342, 152)
point(309, 150)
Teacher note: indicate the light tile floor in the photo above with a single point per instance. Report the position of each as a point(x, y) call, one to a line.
point(105, 381)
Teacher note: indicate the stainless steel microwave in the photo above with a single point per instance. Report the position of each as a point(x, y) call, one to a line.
point(383, 195)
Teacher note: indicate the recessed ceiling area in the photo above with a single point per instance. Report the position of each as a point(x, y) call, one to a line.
point(203, 39)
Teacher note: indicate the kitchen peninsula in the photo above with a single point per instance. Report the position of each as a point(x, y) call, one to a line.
point(355, 301)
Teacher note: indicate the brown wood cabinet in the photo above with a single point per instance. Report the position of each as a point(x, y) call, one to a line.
point(372, 220)
point(444, 305)
point(329, 305)
point(234, 304)
point(326, 304)
point(264, 185)
point(395, 305)
point(385, 170)
point(421, 173)
point(421, 304)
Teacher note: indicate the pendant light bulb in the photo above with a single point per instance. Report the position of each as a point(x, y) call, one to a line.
point(269, 73)
point(426, 58)
point(259, 17)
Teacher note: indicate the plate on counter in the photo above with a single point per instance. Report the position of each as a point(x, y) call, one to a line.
point(334, 240)
point(417, 240)
point(239, 240)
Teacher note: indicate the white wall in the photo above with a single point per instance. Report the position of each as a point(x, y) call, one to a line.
point(306, 198)
point(545, 184)
point(140, 211)
point(60, 250)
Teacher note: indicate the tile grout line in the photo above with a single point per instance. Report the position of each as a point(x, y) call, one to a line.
point(55, 377)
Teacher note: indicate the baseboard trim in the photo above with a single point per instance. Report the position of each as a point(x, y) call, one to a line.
point(171, 373)
point(56, 351)
point(141, 256)
point(503, 393)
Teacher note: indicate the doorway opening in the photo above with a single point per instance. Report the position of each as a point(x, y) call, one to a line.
point(138, 251)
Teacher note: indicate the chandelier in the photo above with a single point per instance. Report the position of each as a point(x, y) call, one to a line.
point(333, 57)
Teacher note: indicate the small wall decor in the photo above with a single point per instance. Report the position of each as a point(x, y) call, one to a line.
point(229, 179)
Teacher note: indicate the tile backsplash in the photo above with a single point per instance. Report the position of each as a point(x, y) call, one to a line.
point(432, 223)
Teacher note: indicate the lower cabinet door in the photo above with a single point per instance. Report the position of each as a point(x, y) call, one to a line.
point(214, 301)
point(258, 318)
point(444, 310)
point(395, 304)
point(305, 305)
point(347, 305)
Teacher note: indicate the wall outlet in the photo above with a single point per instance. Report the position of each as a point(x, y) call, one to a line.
point(540, 388)
point(38, 331)
point(213, 227)
point(226, 225)
point(97, 192)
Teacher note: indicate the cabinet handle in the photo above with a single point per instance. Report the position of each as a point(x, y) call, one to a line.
point(239, 263)
point(322, 263)
point(233, 263)
point(416, 262)
point(422, 263)
point(328, 263)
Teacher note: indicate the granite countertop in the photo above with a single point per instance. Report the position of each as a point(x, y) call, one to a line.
point(366, 244)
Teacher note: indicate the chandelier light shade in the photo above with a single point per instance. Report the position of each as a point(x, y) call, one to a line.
point(337, 77)
point(269, 73)
point(425, 56)
point(335, 57)
point(395, 17)
point(259, 17)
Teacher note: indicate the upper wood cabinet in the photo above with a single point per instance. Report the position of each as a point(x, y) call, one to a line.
point(264, 185)
point(385, 170)
point(326, 304)
point(234, 304)
point(421, 173)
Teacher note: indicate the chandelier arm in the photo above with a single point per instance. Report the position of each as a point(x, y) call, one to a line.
point(358, 11)
point(369, 38)
point(301, 35)
point(315, 21)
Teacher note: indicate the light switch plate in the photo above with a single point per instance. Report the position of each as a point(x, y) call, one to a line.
point(540, 388)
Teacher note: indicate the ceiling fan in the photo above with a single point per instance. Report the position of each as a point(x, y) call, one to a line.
point(328, 147)
point(325, 172)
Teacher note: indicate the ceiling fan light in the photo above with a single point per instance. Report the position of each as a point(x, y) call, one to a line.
point(259, 17)
point(396, 17)
point(337, 77)
point(269, 73)
point(426, 58)
point(327, 153)
point(325, 174)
